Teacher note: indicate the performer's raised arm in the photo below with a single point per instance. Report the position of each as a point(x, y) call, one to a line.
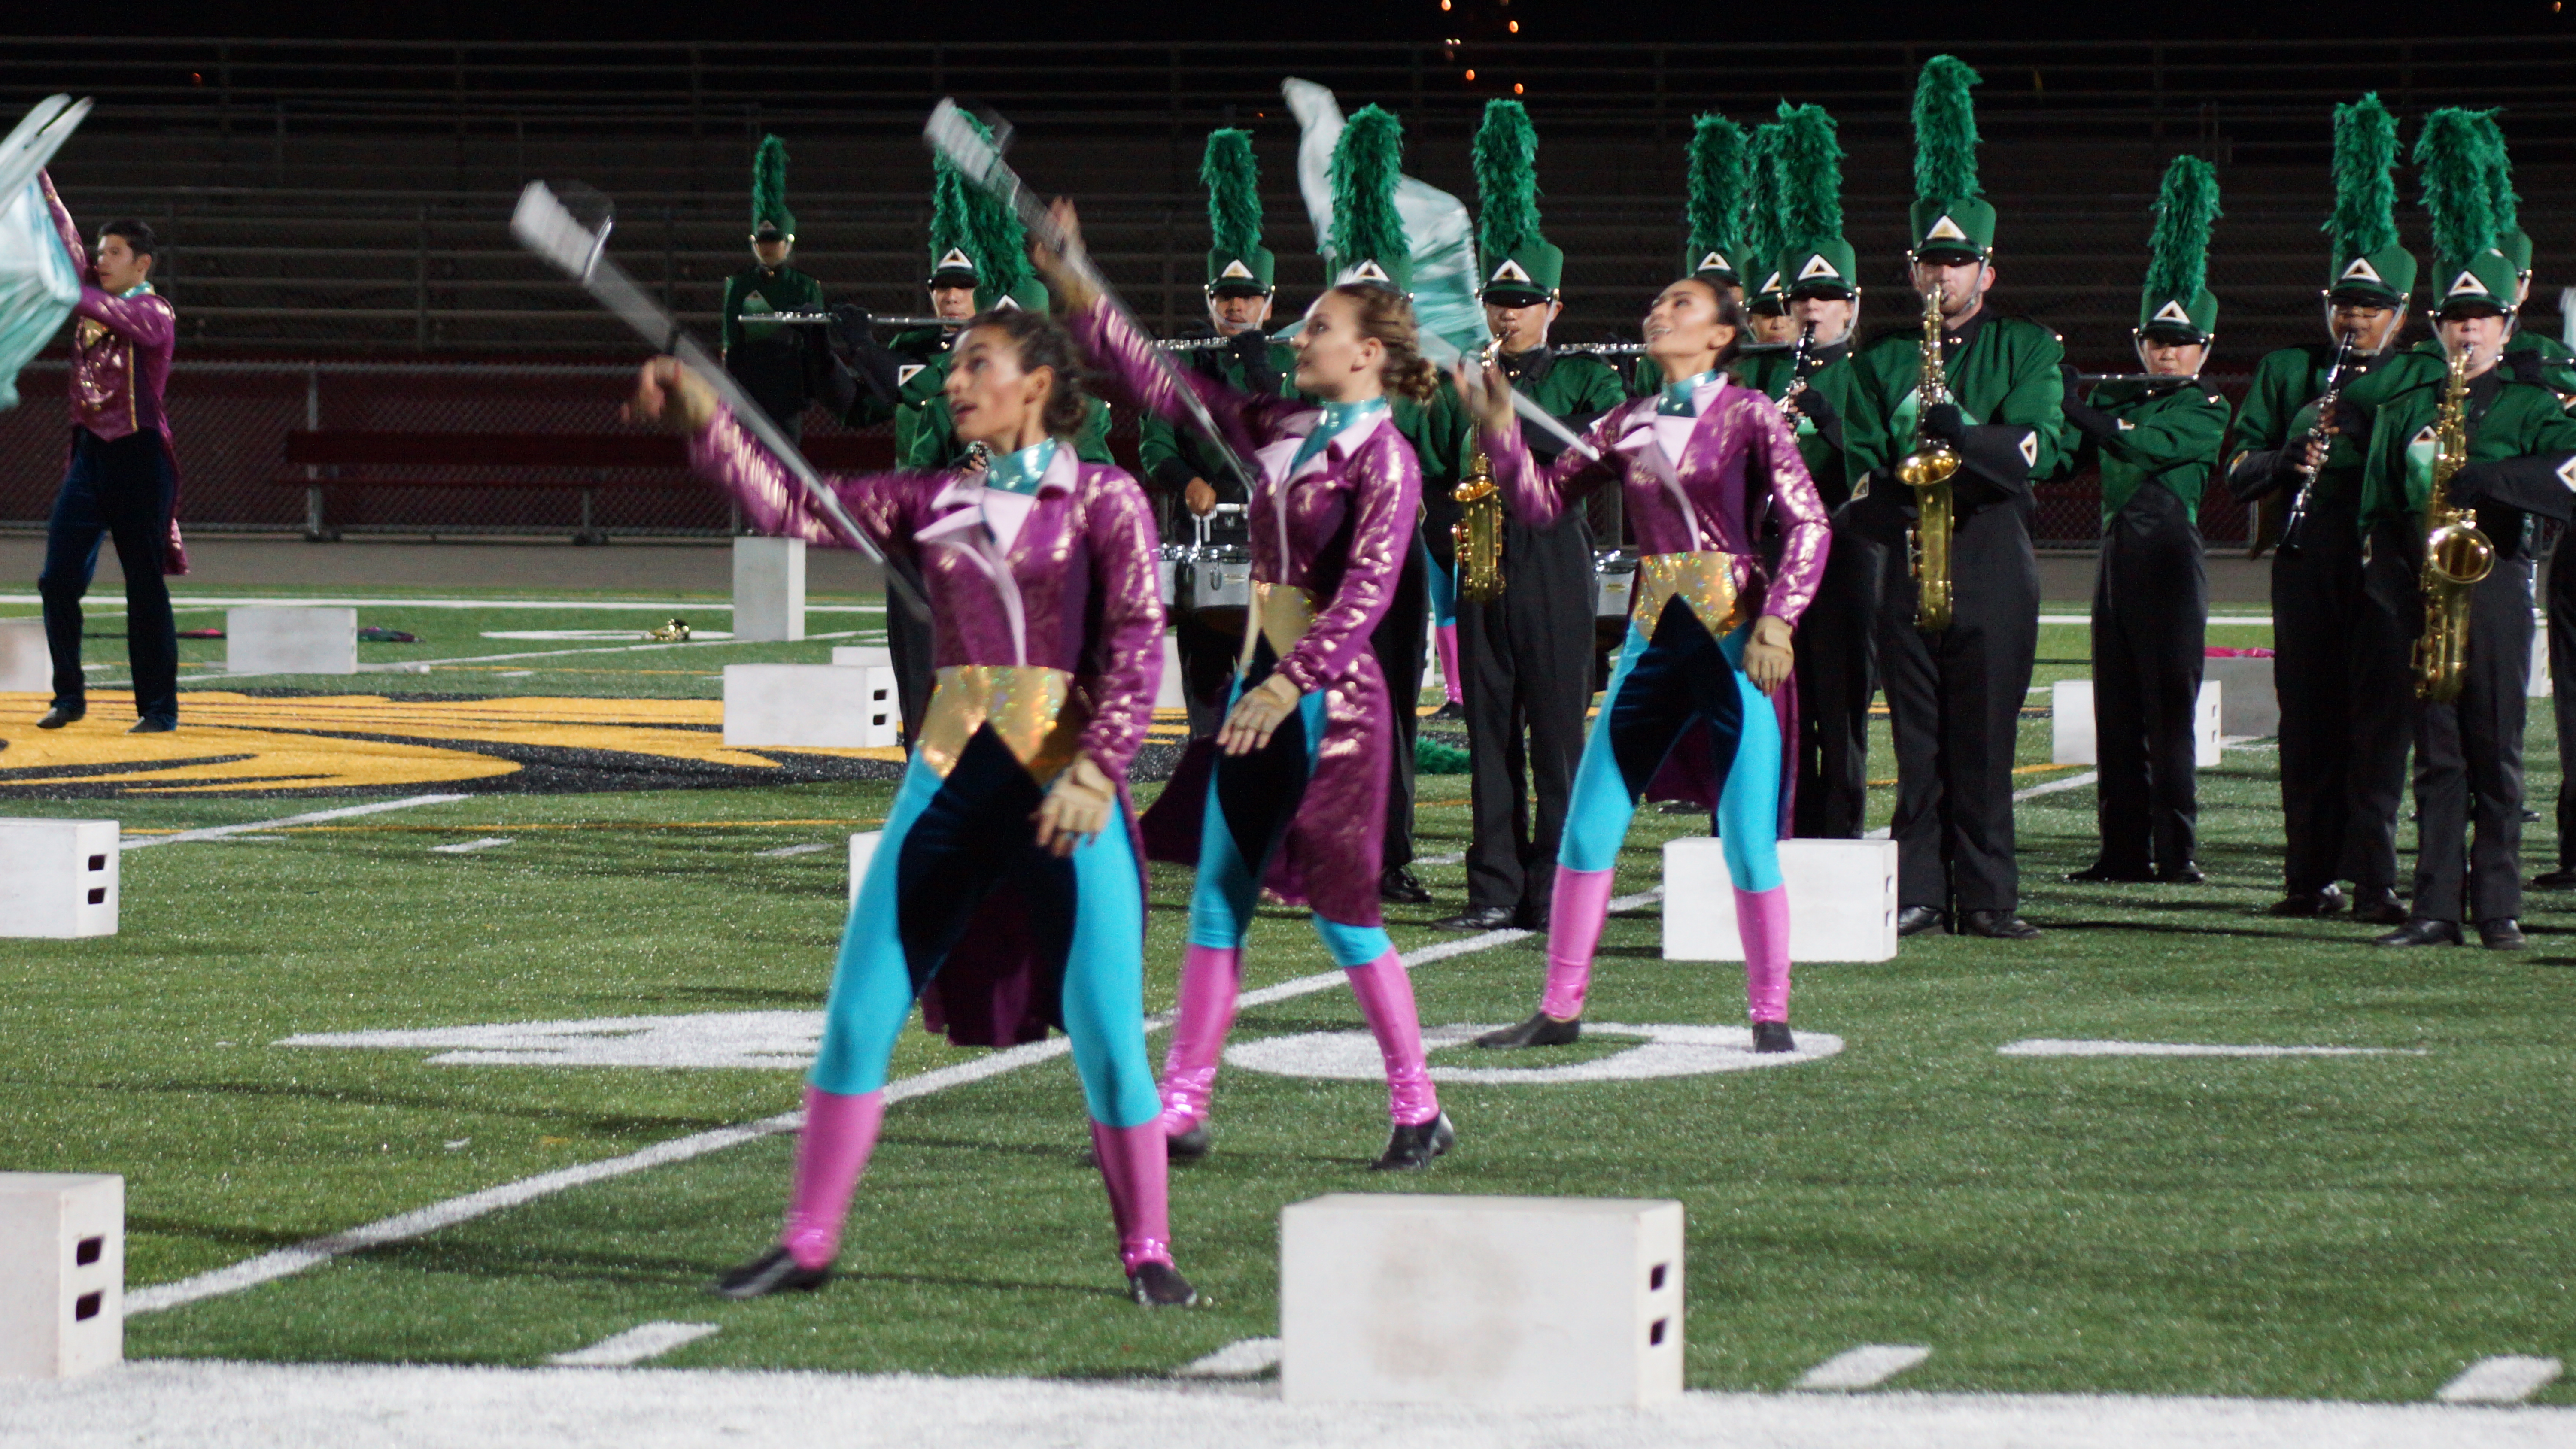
point(723, 453)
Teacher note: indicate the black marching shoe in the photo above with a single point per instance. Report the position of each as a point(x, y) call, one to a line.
point(152, 725)
point(2561, 879)
point(2421, 932)
point(1410, 1149)
point(1996, 926)
point(1532, 916)
point(1187, 1146)
point(61, 715)
point(2324, 901)
point(2104, 872)
point(1540, 1030)
point(2186, 873)
point(1772, 1036)
point(1449, 711)
point(1398, 887)
point(1915, 920)
point(2503, 933)
point(772, 1272)
point(1477, 918)
point(2378, 906)
point(1160, 1285)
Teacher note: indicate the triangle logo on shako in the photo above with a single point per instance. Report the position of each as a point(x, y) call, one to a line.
point(2360, 271)
point(905, 372)
point(1510, 271)
point(1370, 271)
point(1236, 271)
point(1771, 283)
point(1945, 230)
point(1714, 263)
point(955, 261)
point(1816, 267)
point(2466, 282)
point(2173, 312)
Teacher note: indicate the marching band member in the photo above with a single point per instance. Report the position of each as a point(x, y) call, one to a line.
point(775, 363)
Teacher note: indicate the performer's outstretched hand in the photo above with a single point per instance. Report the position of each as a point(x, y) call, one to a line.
point(1060, 265)
point(1076, 808)
point(1487, 393)
point(1257, 716)
point(1768, 654)
point(670, 394)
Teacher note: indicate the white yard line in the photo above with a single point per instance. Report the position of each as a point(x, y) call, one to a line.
point(785, 851)
point(2071, 782)
point(1865, 1367)
point(643, 1341)
point(185, 603)
point(218, 832)
point(2047, 1047)
point(1242, 1359)
point(418, 666)
point(469, 847)
point(2510, 1379)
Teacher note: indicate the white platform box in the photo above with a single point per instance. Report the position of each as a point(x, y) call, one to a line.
point(26, 661)
point(885, 700)
point(58, 878)
point(863, 849)
point(1405, 1298)
point(819, 706)
point(2250, 701)
point(2070, 724)
point(297, 640)
point(768, 590)
point(2538, 686)
point(1842, 900)
point(62, 1273)
point(1168, 692)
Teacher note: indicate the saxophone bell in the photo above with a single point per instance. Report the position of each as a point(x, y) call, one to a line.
point(2457, 556)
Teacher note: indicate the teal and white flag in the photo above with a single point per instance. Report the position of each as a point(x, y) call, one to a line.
point(1436, 226)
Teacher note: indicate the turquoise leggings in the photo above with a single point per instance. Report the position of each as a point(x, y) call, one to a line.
point(1659, 689)
point(1229, 886)
point(1444, 589)
point(1104, 972)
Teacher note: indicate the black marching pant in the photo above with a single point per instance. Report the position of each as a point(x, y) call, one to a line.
point(2468, 763)
point(118, 490)
point(1208, 659)
point(2339, 670)
point(2150, 633)
point(1399, 640)
point(908, 639)
point(1527, 658)
point(2562, 684)
point(1837, 672)
point(1954, 700)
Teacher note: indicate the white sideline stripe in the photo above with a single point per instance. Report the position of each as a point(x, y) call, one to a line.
point(420, 1222)
point(785, 851)
point(202, 602)
point(2509, 1379)
point(2071, 782)
point(422, 666)
point(218, 832)
point(2263, 620)
point(1455, 857)
point(2047, 1047)
point(468, 847)
point(1240, 1359)
point(643, 1341)
point(1865, 1367)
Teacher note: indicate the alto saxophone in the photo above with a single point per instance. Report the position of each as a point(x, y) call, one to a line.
point(1477, 536)
point(1926, 468)
point(2457, 557)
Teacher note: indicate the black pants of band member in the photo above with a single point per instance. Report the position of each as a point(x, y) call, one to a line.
point(2562, 682)
point(2468, 763)
point(1399, 640)
point(2150, 628)
point(117, 490)
point(1527, 658)
point(2340, 673)
point(1837, 671)
point(1954, 703)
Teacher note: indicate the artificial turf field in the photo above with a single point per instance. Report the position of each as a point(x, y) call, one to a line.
point(2351, 1227)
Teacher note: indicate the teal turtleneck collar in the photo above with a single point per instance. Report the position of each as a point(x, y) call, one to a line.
point(1021, 472)
point(1338, 418)
point(1677, 400)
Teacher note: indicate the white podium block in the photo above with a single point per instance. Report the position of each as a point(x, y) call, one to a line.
point(291, 641)
point(2252, 704)
point(819, 706)
point(768, 590)
point(62, 1273)
point(58, 878)
point(2070, 724)
point(1842, 900)
point(2536, 687)
point(26, 661)
point(1405, 1298)
point(885, 701)
point(1168, 693)
point(863, 849)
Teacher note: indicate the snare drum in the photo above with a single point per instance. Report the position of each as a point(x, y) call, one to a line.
point(1614, 584)
point(1215, 584)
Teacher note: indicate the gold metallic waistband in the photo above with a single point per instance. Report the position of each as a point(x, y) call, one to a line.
point(1286, 612)
point(1025, 705)
point(1705, 580)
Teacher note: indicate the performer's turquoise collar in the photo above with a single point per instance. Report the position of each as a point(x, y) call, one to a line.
point(1338, 418)
point(139, 289)
point(1677, 399)
point(1023, 471)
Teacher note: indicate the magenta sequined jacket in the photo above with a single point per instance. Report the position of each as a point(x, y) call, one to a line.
point(120, 347)
point(1075, 589)
point(1706, 502)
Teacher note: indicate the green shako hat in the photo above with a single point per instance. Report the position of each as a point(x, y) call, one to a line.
point(1714, 202)
point(1519, 267)
point(2177, 303)
point(770, 218)
point(1368, 242)
point(977, 241)
point(1814, 260)
point(2451, 162)
point(1238, 265)
point(2511, 239)
point(2369, 265)
point(1759, 226)
point(1952, 220)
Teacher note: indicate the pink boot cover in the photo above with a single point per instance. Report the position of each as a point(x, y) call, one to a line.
point(1449, 680)
point(831, 1152)
point(1211, 978)
point(1133, 1166)
point(1762, 921)
point(1578, 907)
point(1386, 999)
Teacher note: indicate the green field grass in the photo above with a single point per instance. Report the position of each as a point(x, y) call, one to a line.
point(2354, 1227)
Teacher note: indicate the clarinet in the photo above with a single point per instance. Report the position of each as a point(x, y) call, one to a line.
point(2320, 432)
point(1800, 364)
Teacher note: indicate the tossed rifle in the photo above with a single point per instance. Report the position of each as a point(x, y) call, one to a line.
point(544, 225)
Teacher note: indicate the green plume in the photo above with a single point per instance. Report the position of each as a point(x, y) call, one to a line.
point(1506, 163)
point(2178, 248)
point(2451, 162)
point(1367, 162)
point(1945, 132)
point(2365, 180)
point(2508, 207)
point(1759, 227)
point(1716, 193)
point(947, 209)
point(1234, 192)
point(769, 185)
point(968, 216)
point(1811, 175)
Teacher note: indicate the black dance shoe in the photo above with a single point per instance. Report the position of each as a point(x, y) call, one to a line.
point(2561, 879)
point(152, 724)
point(1540, 1030)
point(2186, 873)
point(1160, 1285)
point(1477, 918)
point(772, 1272)
point(1915, 920)
point(2104, 872)
point(1772, 1036)
point(61, 715)
point(1996, 926)
point(1450, 710)
point(2324, 901)
point(1410, 1149)
point(2421, 932)
point(1398, 887)
point(2503, 933)
point(2378, 906)
point(1187, 1146)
